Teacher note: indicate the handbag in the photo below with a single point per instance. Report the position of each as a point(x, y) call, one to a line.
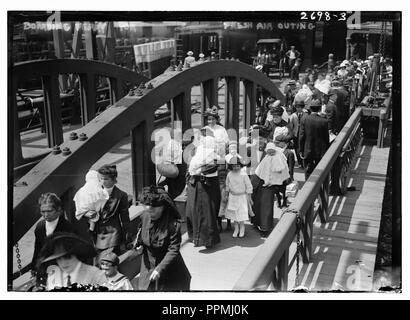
point(168, 170)
point(130, 261)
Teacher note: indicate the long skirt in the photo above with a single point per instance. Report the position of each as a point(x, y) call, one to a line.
point(263, 200)
point(202, 207)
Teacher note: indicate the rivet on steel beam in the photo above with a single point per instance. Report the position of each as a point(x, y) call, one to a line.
point(56, 150)
point(73, 136)
point(150, 86)
point(83, 137)
point(66, 151)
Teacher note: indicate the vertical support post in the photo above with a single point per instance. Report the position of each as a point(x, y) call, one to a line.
point(283, 270)
point(87, 97)
point(52, 110)
point(220, 46)
point(17, 152)
point(143, 168)
point(78, 31)
point(232, 103)
point(181, 109)
point(58, 40)
point(335, 175)
point(90, 44)
point(324, 200)
point(367, 45)
point(307, 235)
point(209, 95)
point(347, 48)
point(115, 90)
point(249, 103)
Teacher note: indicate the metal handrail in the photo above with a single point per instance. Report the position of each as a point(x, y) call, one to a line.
point(259, 272)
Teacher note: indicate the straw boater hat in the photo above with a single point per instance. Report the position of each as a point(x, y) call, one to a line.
point(60, 244)
point(201, 55)
point(190, 53)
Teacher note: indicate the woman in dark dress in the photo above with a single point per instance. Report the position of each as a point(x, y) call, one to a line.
point(162, 266)
point(203, 195)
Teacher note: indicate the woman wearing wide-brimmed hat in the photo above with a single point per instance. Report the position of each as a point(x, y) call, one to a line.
point(203, 194)
point(67, 251)
point(162, 266)
point(222, 140)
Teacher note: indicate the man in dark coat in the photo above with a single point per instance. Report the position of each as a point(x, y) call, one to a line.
point(112, 229)
point(313, 138)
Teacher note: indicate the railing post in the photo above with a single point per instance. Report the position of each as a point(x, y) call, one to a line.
point(115, 90)
point(282, 273)
point(17, 152)
point(307, 231)
point(52, 110)
point(143, 168)
point(324, 201)
point(249, 103)
point(232, 103)
point(335, 177)
point(181, 109)
point(87, 97)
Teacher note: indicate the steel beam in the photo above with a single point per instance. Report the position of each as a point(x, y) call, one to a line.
point(232, 103)
point(143, 169)
point(249, 103)
point(87, 97)
point(52, 110)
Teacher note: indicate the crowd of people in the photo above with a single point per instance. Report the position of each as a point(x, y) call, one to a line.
point(220, 183)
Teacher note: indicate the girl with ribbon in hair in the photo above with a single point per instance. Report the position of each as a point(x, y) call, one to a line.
point(159, 238)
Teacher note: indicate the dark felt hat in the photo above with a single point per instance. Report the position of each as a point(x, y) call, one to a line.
point(60, 244)
point(156, 196)
point(277, 111)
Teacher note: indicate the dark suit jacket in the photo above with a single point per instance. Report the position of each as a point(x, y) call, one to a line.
point(112, 229)
point(40, 235)
point(313, 136)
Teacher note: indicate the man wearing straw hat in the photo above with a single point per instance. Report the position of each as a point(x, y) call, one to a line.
point(189, 59)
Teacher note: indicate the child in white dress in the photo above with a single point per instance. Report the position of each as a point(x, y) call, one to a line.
point(238, 191)
point(90, 199)
point(273, 169)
